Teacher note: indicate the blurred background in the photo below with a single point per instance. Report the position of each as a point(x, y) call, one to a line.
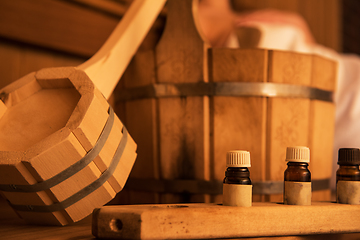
point(49, 33)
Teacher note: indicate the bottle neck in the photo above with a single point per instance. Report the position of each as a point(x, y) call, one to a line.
point(347, 172)
point(237, 175)
point(298, 164)
point(297, 172)
point(349, 166)
point(237, 172)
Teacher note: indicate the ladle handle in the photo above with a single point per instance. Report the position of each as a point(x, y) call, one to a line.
point(108, 64)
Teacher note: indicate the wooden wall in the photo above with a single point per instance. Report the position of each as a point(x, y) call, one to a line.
point(38, 34)
point(49, 33)
point(16, 60)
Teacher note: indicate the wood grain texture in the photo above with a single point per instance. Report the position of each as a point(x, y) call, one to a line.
point(18, 60)
point(140, 117)
point(15, 229)
point(65, 32)
point(183, 139)
point(47, 110)
point(238, 122)
point(287, 118)
point(204, 221)
point(322, 122)
point(109, 63)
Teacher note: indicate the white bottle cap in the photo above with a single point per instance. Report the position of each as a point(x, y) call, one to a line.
point(297, 154)
point(238, 158)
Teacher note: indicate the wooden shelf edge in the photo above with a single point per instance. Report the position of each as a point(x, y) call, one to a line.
point(204, 221)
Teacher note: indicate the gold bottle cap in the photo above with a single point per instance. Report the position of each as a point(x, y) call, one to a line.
point(297, 154)
point(238, 158)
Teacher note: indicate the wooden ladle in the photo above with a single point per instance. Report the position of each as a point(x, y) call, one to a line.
point(63, 151)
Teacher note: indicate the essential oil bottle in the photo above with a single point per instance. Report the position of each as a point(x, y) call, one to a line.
point(348, 176)
point(237, 188)
point(297, 177)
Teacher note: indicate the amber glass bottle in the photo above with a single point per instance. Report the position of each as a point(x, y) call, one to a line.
point(237, 175)
point(237, 188)
point(348, 161)
point(297, 172)
point(348, 176)
point(297, 177)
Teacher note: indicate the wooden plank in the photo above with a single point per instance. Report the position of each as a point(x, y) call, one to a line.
point(10, 59)
point(288, 118)
point(18, 60)
point(238, 123)
point(322, 122)
point(204, 221)
point(14, 229)
point(111, 7)
point(141, 121)
point(184, 132)
point(65, 32)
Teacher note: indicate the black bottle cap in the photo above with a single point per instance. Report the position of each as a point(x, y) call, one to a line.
point(349, 156)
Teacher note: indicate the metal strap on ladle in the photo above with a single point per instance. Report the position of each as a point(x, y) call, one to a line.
point(86, 190)
point(70, 171)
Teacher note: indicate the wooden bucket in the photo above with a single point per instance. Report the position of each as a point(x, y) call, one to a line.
point(186, 105)
point(67, 153)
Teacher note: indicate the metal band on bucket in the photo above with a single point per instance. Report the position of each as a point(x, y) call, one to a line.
point(239, 89)
point(210, 187)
